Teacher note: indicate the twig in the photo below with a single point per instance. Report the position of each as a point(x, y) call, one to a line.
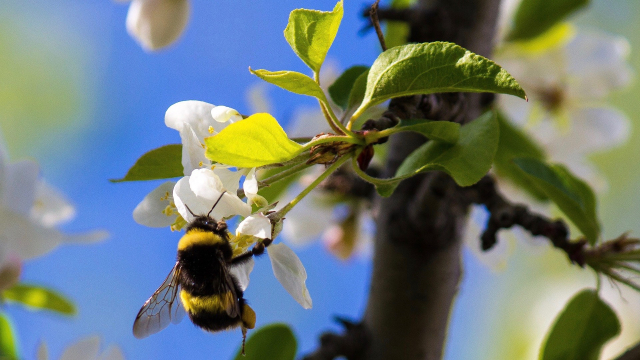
point(504, 215)
point(373, 14)
point(349, 344)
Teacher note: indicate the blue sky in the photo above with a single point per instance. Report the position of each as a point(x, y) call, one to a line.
point(121, 94)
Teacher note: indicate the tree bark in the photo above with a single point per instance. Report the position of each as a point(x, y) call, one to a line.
point(417, 258)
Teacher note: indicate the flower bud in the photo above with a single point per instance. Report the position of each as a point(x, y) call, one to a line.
point(157, 23)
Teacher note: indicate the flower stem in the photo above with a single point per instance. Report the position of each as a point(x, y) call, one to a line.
point(282, 212)
point(285, 173)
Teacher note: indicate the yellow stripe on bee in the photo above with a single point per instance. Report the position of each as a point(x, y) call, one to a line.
point(213, 303)
point(199, 237)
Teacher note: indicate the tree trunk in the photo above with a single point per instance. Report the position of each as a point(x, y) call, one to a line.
point(417, 259)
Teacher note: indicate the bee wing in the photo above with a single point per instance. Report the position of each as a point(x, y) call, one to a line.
point(233, 307)
point(161, 308)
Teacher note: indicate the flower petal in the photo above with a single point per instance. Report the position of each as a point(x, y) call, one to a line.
point(206, 184)
point(157, 23)
point(112, 353)
point(229, 205)
point(257, 225)
point(193, 154)
point(290, 272)
point(308, 221)
point(155, 209)
point(230, 179)
point(195, 113)
point(222, 114)
point(597, 63)
point(85, 349)
point(241, 273)
point(19, 187)
point(50, 207)
point(27, 239)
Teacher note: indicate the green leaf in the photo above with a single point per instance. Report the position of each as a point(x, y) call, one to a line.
point(573, 196)
point(397, 32)
point(341, 88)
point(255, 141)
point(466, 162)
point(434, 68)
point(357, 91)
point(162, 163)
point(271, 342)
point(39, 298)
point(445, 131)
point(8, 348)
point(514, 143)
point(292, 81)
point(534, 17)
point(583, 327)
point(311, 32)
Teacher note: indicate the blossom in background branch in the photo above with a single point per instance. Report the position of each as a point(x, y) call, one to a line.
point(84, 349)
point(157, 23)
point(568, 75)
point(568, 82)
point(30, 211)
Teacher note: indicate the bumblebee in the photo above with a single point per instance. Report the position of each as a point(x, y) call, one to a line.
point(201, 279)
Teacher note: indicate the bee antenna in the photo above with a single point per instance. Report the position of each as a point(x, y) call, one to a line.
point(217, 201)
point(191, 212)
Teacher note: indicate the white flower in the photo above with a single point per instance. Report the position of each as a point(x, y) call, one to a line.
point(286, 265)
point(196, 120)
point(157, 23)
point(84, 349)
point(202, 190)
point(257, 225)
point(29, 211)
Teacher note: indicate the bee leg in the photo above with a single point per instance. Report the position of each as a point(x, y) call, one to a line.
point(248, 322)
point(258, 249)
point(244, 337)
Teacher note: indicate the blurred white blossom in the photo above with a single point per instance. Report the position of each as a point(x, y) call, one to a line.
point(30, 211)
point(157, 23)
point(84, 349)
point(567, 75)
point(568, 84)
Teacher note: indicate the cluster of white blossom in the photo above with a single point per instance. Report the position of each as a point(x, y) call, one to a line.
point(204, 183)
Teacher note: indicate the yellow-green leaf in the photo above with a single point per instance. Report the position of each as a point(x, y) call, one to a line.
point(311, 32)
point(255, 141)
point(8, 348)
point(292, 81)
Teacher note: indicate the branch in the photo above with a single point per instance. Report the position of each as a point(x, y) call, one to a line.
point(416, 264)
point(631, 354)
point(350, 344)
point(504, 215)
